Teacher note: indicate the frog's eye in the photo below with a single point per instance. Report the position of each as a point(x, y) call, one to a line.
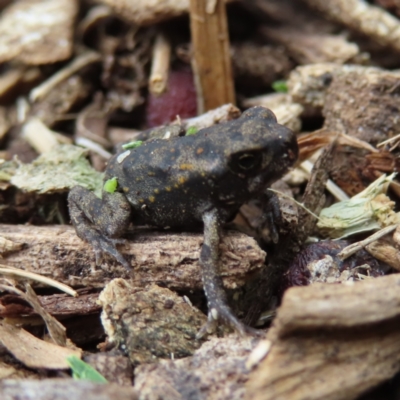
point(246, 162)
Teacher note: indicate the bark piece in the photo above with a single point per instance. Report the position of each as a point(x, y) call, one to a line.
point(63, 389)
point(170, 259)
point(211, 58)
point(364, 103)
point(59, 305)
point(149, 323)
point(217, 371)
point(328, 342)
point(37, 31)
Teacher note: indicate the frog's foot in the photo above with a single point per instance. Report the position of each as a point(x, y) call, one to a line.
point(108, 245)
point(103, 244)
point(100, 222)
point(222, 314)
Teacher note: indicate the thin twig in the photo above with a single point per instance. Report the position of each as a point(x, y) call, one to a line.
point(353, 248)
point(77, 64)
point(160, 65)
point(19, 273)
point(332, 188)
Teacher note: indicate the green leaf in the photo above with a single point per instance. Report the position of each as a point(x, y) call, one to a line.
point(192, 130)
point(110, 185)
point(132, 145)
point(280, 86)
point(83, 371)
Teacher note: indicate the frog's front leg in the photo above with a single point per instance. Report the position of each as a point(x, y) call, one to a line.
point(218, 309)
point(100, 222)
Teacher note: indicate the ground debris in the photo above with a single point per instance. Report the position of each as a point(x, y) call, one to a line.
point(327, 335)
point(149, 323)
point(216, 371)
point(64, 389)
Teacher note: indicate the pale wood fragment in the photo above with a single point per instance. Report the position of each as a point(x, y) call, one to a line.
point(331, 342)
point(211, 55)
point(37, 31)
point(83, 60)
point(360, 16)
point(160, 65)
point(147, 12)
point(312, 47)
point(39, 136)
point(170, 259)
point(34, 352)
point(287, 112)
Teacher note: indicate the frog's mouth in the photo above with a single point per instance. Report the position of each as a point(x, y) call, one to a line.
point(271, 173)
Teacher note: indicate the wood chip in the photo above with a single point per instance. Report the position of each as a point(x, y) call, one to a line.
point(33, 352)
point(170, 259)
point(364, 18)
point(340, 340)
point(37, 31)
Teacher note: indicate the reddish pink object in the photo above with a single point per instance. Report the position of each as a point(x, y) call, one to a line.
point(179, 99)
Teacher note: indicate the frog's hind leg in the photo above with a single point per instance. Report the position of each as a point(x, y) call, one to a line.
point(100, 222)
point(218, 309)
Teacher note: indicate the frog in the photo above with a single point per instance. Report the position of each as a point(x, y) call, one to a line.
point(190, 182)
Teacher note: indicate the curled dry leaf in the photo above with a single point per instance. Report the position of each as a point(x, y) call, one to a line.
point(369, 210)
point(57, 170)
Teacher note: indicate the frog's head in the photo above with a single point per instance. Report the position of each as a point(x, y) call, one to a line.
point(262, 150)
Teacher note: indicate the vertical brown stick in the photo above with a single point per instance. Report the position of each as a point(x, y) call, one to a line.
point(211, 58)
point(160, 65)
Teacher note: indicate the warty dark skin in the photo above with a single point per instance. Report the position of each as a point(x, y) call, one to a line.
point(186, 182)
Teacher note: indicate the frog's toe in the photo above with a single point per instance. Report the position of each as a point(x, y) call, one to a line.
point(208, 328)
point(103, 244)
point(225, 316)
